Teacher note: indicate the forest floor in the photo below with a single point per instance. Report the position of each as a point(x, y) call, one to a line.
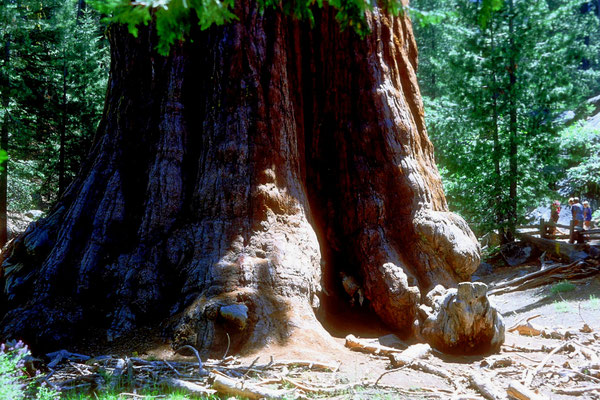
point(563, 365)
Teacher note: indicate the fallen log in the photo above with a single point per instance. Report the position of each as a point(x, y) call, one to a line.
point(564, 251)
point(575, 270)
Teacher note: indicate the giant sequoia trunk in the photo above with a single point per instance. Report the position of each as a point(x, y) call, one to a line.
point(232, 180)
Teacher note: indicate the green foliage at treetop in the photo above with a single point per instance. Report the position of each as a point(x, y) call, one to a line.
point(174, 18)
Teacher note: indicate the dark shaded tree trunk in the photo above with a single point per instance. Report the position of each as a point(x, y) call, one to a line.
point(63, 130)
point(513, 174)
point(5, 84)
point(233, 179)
point(499, 211)
point(81, 6)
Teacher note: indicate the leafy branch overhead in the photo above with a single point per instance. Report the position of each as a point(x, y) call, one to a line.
point(174, 18)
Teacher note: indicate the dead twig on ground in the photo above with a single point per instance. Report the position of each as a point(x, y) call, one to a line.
point(228, 344)
point(172, 368)
point(577, 390)
point(541, 365)
point(516, 325)
point(140, 396)
point(390, 371)
point(581, 375)
point(520, 392)
point(232, 387)
point(201, 370)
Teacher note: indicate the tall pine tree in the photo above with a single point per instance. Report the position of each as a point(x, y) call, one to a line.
point(503, 71)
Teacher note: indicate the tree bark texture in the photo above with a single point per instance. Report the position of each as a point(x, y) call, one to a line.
point(5, 85)
point(233, 180)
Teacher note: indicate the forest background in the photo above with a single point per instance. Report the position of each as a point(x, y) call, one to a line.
point(505, 86)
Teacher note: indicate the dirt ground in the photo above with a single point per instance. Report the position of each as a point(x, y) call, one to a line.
point(369, 376)
point(567, 310)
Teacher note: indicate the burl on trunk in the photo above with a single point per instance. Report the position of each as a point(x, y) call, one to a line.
point(229, 180)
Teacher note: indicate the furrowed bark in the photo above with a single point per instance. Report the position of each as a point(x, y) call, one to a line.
point(230, 180)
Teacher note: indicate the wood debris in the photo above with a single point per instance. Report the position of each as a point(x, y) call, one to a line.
point(518, 391)
point(487, 389)
point(560, 366)
point(556, 273)
point(567, 367)
point(227, 377)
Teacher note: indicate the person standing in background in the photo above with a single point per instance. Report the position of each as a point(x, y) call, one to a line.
point(577, 214)
point(554, 215)
point(587, 215)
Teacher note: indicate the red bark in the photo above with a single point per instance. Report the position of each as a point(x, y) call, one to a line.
point(228, 174)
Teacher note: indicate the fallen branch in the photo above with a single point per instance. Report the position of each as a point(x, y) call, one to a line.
point(307, 364)
point(172, 368)
point(520, 392)
point(352, 342)
point(581, 375)
point(425, 367)
point(575, 270)
point(521, 320)
point(58, 356)
point(541, 365)
point(232, 387)
point(320, 390)
point(390, 371)
point(527, 358)
point(143, 396)
point(485, 387)
point(249, 368)
point(577, 390)
point(189, 387)
point(513, 348)
point(201, 370)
